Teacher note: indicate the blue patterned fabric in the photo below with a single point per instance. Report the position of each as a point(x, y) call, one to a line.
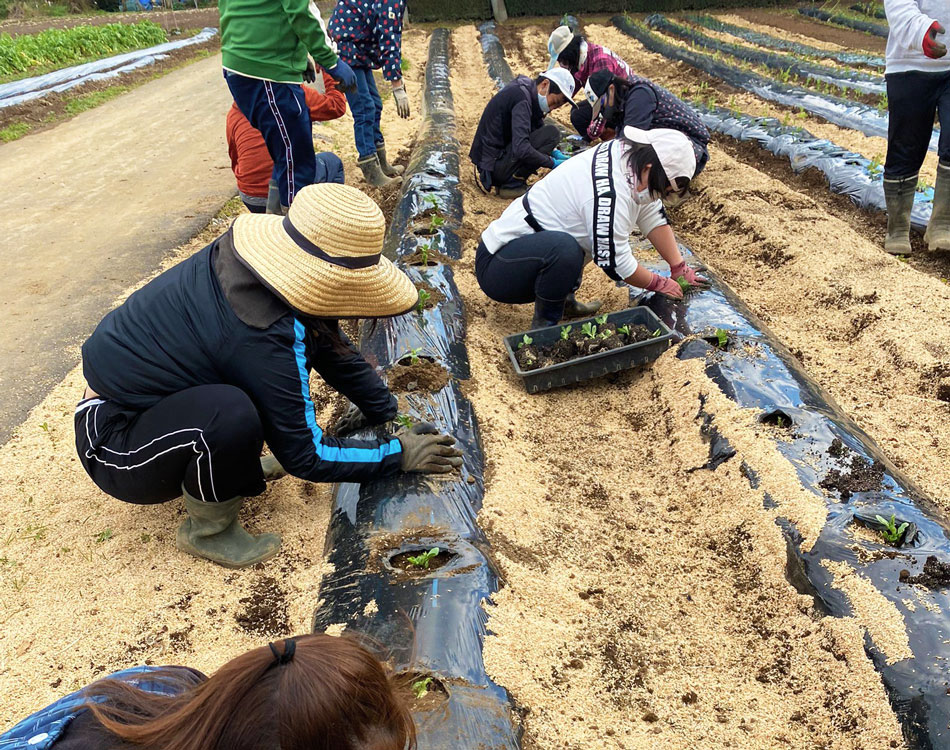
point(368, 34)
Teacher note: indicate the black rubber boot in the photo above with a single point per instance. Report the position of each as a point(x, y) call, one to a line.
point(575, 309)
point(547, 313)
point(390, 170)
point(374, 175)
point(899, 197)
point(938, 230)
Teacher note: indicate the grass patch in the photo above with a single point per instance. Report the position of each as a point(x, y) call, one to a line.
point(93, 99)
point(13, 131)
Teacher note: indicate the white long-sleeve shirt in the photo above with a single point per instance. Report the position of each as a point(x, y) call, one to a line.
point(587, 197)
point(908, 21)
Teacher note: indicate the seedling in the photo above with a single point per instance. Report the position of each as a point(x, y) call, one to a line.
point(589, 330)
point(684, 284)
point(404, 420)
point(423, 559)
point(722, 337)
point(414, 355)
point(874, 165)
point(424, 298)
point(424, 253)
point(420, 688)
point(922, 186)
point(104, 536)
point(656, 333)
point(431, 200)
point(435, 221)
point(779, 422)
point(892, 533)
point(624, 330)
point(606, 333)
point(565, 332)
point(526, 340)
point(602, 320)
point(44, 427)
point(882, 104)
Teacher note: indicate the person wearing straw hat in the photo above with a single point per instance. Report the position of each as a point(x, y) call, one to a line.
point(191, 374)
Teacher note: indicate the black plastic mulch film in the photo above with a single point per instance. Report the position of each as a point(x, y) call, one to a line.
point(429, 622)
point(852, 23)
point(835, 110)
point(757, 372)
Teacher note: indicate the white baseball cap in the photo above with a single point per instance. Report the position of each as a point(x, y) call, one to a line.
point(563, 81)
point(558, 41)
point(674, 150)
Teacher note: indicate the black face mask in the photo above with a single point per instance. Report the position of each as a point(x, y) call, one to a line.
point(613, 115)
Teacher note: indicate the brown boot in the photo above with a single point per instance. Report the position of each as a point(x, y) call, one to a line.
point(374, 175)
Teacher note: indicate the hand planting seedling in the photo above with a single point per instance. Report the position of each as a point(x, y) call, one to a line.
point(526, 340)
point(424, 298)
point(589, 330)
point(684, 284)
point(891, 532)
point(420, 688)
point(565, 332)
point(423, 559)
point(722, 337)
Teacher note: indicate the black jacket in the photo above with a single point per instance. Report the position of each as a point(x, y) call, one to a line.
point(183, 330)
point(509, 118)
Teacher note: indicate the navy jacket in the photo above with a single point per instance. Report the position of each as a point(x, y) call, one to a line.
point(648, 106)
point(509, 118)
point(180, 331)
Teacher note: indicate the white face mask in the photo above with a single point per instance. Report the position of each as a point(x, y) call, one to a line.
point(543, 103)
point(641, 197)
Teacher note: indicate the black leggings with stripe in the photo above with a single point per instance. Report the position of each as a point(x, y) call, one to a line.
point(208, 438)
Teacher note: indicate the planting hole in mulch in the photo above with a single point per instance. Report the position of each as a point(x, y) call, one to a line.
point(428, 223)
point(720, 338)
point(426, 255)
point(854, 475)
point(777, 418)
point(936, 574)
point(578, 341)
point(429, 297)
point(424, 692)
point(424, 374)
point(416, 563)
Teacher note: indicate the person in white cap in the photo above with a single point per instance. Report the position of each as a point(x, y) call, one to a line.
point(197, 369)
point(512, 142)
point(536, 250)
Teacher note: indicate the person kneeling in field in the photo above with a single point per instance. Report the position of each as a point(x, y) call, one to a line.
point(311, 691)
point(512, 142)
point(637, 102)
point(536, 250)
point(918, 88)
point(251, 162)
point(194, 371)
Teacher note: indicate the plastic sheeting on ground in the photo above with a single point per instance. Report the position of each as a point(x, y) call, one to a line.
point(833, 109)
point(772, 42)
point(430, 622)
point(848, 79)
point(27, 89)
point(851, 23)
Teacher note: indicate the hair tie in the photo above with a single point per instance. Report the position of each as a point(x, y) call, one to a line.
point(290, 646)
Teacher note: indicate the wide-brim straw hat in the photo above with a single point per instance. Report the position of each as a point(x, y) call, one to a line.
point(324, 257)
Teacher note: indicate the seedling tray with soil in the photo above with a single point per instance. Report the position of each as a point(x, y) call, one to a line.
point(559, 355)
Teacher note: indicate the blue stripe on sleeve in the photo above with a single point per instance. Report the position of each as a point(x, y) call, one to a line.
point(330, 452)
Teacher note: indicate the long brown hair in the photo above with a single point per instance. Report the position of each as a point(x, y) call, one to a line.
point(331, 694)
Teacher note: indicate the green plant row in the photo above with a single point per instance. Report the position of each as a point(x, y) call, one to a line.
point(58, 48)
point(557, 7)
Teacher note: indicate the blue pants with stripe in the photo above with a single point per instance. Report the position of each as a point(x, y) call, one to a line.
point(280, 112)
point(367, 108)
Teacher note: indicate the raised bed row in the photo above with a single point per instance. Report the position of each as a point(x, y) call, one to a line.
point(847, 21)
point(428, 618)
point(756, 371)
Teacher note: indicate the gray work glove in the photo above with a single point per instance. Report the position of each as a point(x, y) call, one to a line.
point(402, 100)
point(272, 468)
point(351, 421)
point(426, 450)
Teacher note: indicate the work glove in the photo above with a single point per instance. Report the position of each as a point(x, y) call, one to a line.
point(692, 278)
point(933, 48)
point(271, 468)
point(559, 157)
point(426, 450)
point(596, 128)
point(666, 287)
point(343, 74)
point(402, 100)
point(310, 73)
point(351, 421)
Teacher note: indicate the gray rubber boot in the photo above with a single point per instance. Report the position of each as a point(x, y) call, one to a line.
point(212, 531)
point(575, 309)
point(390, 170)
point(899, 197)
point(546, 313)
point(938, 230)
point(374, 175)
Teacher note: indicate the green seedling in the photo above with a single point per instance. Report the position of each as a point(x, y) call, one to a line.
point(526, 340)
point(423, 559)
point(424, 298)
point(722, 338)
point(624, 330)
point(44, 427)
point(414, 355)
point(656, 333)
point(104, 536)
point(404, 64)
point(145, 538)
point(882, 104)
point(601, 320)
point(892, 533)
point(424, 253)
point(684, 284)
point(874, 165)
point(922, 186)
point(420, 688)
point(779, 422)
point(565, 332)
point(589, 330)
point(435, 221)
point(404, 420)
point(606, 333)
point(431, 200)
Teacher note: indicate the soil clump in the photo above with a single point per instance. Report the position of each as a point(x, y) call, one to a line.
point(936, 574)
point(424, 375)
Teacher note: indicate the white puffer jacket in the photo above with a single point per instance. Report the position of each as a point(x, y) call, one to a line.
point(909, 21)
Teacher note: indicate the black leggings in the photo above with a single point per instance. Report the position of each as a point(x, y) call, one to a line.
point(540, 265)
point(208, 438)
point(544, 140)
point(913, 99)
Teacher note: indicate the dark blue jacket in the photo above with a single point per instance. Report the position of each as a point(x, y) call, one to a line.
point(368, 34)
point(181, 331)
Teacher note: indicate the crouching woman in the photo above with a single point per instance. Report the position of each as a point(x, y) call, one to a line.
point(314, 691)
point(195, 370)
point(586, 209)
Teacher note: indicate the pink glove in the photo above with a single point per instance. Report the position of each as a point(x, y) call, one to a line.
point(933, 48)
point(666, 287)
point(596, 128)
point(692, 278)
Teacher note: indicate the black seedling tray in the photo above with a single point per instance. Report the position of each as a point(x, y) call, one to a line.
point(593, 365)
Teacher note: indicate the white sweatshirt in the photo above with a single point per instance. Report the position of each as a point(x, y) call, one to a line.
point(587, 197)
point(909, 21)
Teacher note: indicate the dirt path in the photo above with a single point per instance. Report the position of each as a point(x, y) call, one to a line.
point(91, 207)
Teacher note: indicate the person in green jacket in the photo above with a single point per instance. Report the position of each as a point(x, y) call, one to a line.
point(268, 49)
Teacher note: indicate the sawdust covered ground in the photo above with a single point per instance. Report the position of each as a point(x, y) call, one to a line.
point(645, 603)
point(89, 585)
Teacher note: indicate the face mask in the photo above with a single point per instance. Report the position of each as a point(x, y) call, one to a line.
point(643, 197)
point(543, 103)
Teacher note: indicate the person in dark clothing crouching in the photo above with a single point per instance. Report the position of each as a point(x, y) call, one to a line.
point(195, 370)
point(512, 142)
